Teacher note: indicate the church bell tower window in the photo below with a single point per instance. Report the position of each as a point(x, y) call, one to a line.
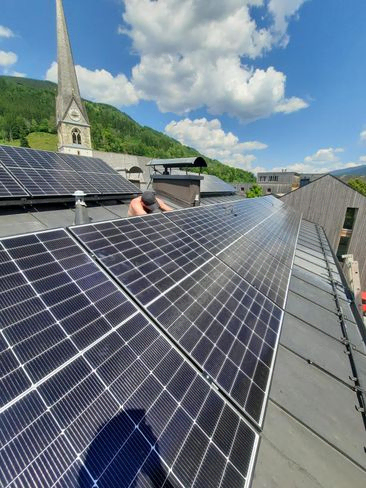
point(76, 136)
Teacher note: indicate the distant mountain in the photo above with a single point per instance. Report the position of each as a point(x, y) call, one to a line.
point(27, 110)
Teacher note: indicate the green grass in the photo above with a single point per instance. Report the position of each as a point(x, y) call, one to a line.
point(14, 142)
point(42, 140)
point(36, 140)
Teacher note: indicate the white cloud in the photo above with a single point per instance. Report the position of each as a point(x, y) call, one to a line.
point(282, 11)
point(324, 155)
point(7, 58)
point(191, 54)
point(6, 32)
point(363, 135)
point(363, 159)
point(208, 137)
point(101, 86)
point(322, 161)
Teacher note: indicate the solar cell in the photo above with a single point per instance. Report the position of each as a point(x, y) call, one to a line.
point(9, 187)
point(93, 394)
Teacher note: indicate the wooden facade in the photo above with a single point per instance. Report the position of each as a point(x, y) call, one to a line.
point(325, 202)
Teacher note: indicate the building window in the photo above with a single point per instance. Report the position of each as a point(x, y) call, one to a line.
point(350, 218)
point(262, 178)
point(343, 246)
point(76, 136)
point(273, 178)
point(346, 232)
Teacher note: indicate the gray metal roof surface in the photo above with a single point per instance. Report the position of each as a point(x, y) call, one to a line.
point(313, 435)
point(211, 185)
point(209, 200)
point(33, 219)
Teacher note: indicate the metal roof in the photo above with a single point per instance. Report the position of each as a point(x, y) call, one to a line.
point(210, 185)
point(313, 436)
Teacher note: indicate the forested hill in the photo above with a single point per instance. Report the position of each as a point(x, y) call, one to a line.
point(27, 116)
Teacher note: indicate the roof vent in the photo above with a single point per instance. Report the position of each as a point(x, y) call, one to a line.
point(81, 210)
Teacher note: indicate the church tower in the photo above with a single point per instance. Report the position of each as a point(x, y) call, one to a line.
point(73, 126)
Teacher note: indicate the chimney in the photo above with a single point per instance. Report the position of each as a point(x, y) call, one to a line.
point(183, 188)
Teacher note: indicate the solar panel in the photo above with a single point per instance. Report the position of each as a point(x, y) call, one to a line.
point(147, 254)
point(92, 393)
point(110, 183)
point(44, 173)
point(271, 201)
point(86, 164)
point(263, 257)
point(100, 175)
point(156, 262)
point(259, 268)
point(217, 226)
point(20, 157)
point(41, 182)
point(9, 187)
point(278, 235)
point(228, 328)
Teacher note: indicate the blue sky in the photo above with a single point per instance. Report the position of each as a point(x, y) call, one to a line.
point(257, 84)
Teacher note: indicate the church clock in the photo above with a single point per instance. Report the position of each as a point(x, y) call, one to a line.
point(75, 114)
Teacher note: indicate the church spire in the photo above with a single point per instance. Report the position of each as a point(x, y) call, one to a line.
point(72, 119)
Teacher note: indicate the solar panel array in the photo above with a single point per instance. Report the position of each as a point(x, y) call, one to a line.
point(92, 393)
point(167, 263)
point(140, 368)
point(45, 173)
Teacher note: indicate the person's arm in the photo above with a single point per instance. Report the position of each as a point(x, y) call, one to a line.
point(136, 209)
point(163, 206)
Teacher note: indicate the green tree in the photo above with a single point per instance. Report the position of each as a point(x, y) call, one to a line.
point(28, 106)
point(358, 185)
point(254, 191)
point(24, 141)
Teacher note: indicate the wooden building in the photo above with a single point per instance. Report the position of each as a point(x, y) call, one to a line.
point(340, 210)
